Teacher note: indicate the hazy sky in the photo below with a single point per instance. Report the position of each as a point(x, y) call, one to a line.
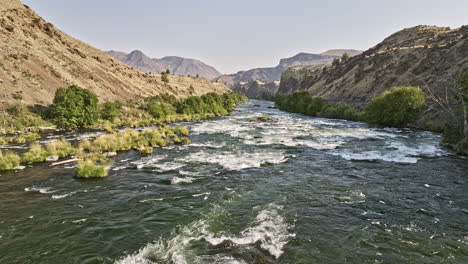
point(242, 34)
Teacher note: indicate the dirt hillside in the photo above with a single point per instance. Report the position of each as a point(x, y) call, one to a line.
point(36, 58)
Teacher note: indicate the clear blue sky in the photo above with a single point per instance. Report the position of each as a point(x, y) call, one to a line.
point(242, 34)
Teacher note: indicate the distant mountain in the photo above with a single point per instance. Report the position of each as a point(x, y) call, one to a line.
point(177, 65)
point(274, 73)
point(38, 58)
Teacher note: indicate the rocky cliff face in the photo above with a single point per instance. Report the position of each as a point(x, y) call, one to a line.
point(423, 56)
point(37, 58)
point(274, 73)
point(177, 65)
point(243, 80)
point(257, 89)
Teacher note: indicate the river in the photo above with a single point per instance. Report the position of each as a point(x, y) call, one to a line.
point(294, 189)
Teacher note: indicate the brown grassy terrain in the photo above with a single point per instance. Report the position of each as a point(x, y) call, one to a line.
point(36, 58)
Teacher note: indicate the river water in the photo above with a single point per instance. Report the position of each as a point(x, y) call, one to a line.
point(294, 189)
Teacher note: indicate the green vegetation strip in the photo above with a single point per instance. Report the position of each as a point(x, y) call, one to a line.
point(397, 107)
point(75, 108)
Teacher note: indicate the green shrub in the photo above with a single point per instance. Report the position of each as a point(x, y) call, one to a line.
point(151, 137)
point(185, 141)
point(164, 77)
point(61, 148)
point(315, 105)
point(184, 131)
point(396, 107)
point(9, 160)
point(74, 107)
point(263, 118)
point(176, 140)
point(452, 134)
point(329, 111)
point(35, 154)
point(88, 169)
point(18, 117)
point(160, 110)
point(145, 149)
point(27, 137)
point(110, 111)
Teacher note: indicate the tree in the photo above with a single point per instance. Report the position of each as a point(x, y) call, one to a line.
point(335, 62)
point(168, 71)
point(164, 77)
point(110, 111)
point(395, 108)
point(345, 57)
point(74, 107)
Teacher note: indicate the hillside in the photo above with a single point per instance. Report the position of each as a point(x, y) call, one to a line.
point(274, 73)
point(177, 65)
point(37, 58)
point(428, 57)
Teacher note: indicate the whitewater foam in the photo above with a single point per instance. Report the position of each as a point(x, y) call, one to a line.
point(270, 229)
point(44, 190)
point(63, 195)
point(238, 160)
point(177, 180)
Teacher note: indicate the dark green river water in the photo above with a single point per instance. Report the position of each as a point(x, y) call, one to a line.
point(295, 189)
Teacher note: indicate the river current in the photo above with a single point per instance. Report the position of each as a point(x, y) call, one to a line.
point(294, 189)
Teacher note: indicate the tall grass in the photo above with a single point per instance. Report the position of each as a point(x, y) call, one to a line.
point(9, 160)
point(36, 153)
point(61, 148)
point(88, 169)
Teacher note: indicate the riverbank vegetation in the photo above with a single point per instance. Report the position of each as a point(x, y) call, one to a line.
point(397, 107)
point(76, 108)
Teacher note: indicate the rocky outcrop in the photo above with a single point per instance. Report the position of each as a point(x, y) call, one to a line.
point(177, 65)
point(37, 58)
point(257, 89)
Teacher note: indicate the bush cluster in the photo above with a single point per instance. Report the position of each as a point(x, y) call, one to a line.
point(303, 103)
point(9, 160)
point(74, 107)
point(395, 108)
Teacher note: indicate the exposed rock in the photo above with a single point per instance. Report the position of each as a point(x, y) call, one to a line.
point(52, 158)
point(257, 89)
point(110, 154)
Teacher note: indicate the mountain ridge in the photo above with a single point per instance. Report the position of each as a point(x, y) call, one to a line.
point(177, 65)
point(271, 74)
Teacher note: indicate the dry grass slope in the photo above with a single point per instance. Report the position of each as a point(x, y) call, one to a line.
point(37, 58)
